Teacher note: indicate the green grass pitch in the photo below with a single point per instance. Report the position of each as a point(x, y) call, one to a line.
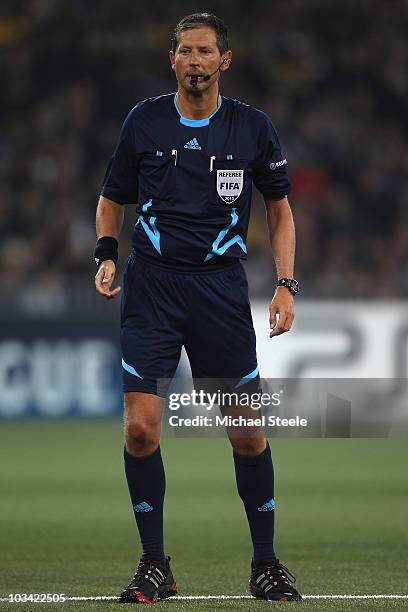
point(67, 526)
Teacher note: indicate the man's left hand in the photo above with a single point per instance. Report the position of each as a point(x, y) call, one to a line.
point(281, 312)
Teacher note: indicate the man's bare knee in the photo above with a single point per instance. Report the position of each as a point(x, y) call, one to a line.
point(140, 436)
point(248, 446)
point(142, 423)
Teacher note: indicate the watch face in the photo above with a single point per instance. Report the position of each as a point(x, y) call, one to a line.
point(294, 287)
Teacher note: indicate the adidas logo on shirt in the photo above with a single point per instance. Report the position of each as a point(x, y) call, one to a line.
point(192, 144)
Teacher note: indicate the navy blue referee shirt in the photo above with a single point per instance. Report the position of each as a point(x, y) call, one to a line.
point(192, 179)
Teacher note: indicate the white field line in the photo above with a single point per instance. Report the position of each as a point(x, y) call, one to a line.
point(206, 597)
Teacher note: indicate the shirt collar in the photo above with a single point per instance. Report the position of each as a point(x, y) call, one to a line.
point(195, 122)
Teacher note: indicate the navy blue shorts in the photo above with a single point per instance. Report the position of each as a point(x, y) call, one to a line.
point(207, 311)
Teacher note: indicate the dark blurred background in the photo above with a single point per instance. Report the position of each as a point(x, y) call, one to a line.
point(333, 76)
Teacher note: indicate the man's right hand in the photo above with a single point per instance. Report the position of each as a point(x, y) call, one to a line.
point(104, 279)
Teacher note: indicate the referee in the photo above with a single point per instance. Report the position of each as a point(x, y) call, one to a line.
point(188, 160)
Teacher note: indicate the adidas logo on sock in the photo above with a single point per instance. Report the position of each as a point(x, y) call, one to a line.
point(268, 507)
point(143, 507)
point(192, 144)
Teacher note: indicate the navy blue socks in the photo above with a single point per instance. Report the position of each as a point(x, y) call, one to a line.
point(255, 482)
point(147, 483)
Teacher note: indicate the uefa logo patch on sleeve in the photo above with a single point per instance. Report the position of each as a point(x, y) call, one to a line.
point(278, 164)
point(229, 184)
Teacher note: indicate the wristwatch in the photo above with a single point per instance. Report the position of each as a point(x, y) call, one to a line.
point(289, 283)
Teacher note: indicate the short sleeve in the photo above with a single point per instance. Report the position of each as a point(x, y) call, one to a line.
point(120, 183)
point(270, 173)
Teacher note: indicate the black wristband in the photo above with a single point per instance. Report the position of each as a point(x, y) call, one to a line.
point(106, 248)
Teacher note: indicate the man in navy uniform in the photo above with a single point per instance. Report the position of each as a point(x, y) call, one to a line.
point(188, 161)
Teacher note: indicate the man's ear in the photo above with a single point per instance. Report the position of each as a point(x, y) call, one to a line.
point(226, 61)
point(172, 60)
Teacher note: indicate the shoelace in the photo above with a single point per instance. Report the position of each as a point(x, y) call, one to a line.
point(149, 571)
point(284, 575)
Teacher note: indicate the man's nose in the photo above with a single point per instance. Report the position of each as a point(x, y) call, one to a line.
point(194, 61)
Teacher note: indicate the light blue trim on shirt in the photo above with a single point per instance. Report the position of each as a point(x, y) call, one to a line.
point(152, 231)
point(216, 249)
point(195, 122)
